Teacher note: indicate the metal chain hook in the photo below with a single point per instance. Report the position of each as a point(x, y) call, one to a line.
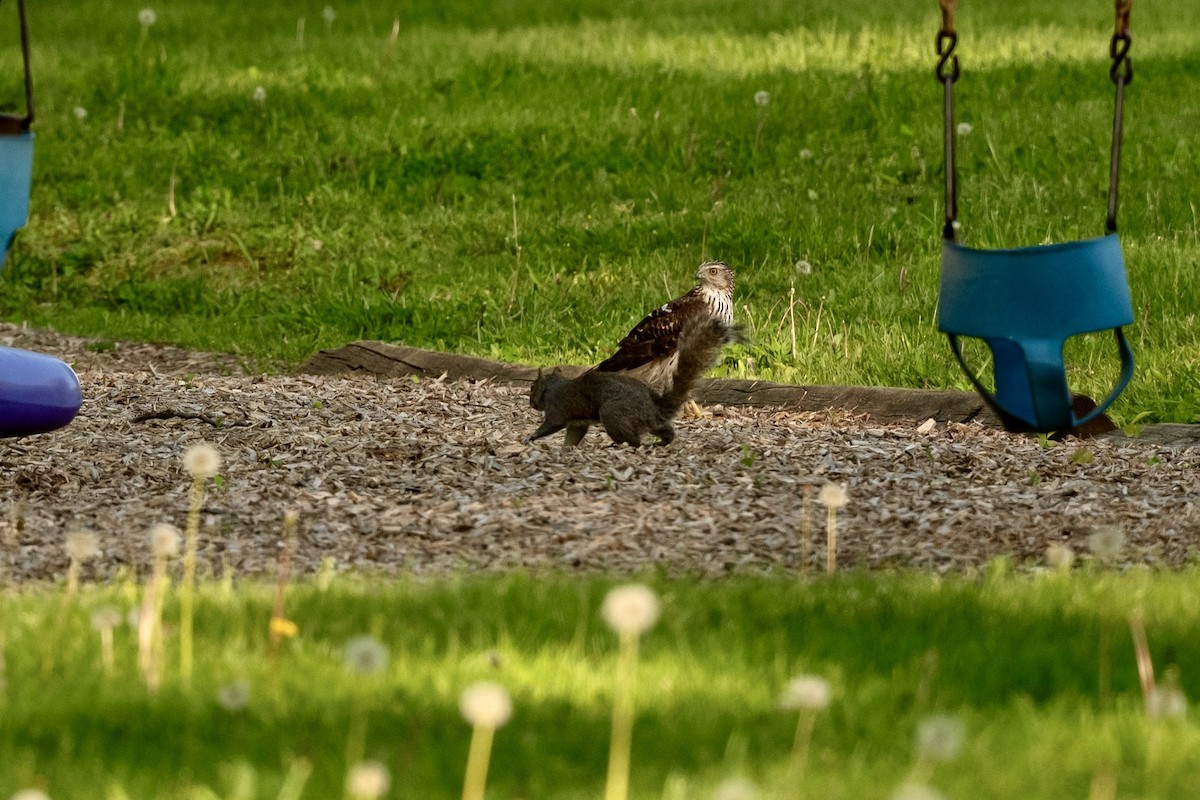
point(1118, 50)
point(947, 40)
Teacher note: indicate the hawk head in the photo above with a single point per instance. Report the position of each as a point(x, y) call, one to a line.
point(717, 276)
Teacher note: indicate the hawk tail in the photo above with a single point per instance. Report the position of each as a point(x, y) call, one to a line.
point(700, 346)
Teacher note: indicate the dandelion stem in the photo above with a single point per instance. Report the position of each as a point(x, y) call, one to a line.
point(805, 528)
point(477, 762)
point(293, 782)
point(187, 588)
point(831, 540)
point(106, 649)
point(285, 565)
point(149, 626)
point(72, 579)
point(921, 772)
point(1104, 676)
point(617, 785)
point(356, 738)
point(1104, 783)
point(800, 745)
point(1141, 649)
point(792, 319)
point(516, 232)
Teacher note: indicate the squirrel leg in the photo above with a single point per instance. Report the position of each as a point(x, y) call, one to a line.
point(665, 434)
point(575, 433)
point(545, 429)
point(621, 431)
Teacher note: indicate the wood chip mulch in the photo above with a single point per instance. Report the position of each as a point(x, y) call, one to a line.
point(430, 476)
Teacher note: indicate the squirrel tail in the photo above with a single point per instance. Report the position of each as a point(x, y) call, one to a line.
point(700, 346)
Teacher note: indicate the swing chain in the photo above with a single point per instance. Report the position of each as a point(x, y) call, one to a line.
point(947, 41)
point(12, 124)
point(1118, 49)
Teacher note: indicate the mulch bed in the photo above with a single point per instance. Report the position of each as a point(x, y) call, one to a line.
point(430, 476)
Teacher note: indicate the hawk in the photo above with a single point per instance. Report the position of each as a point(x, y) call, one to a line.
point(650, 351)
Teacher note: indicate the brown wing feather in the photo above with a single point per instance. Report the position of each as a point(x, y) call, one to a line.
point(657, 335)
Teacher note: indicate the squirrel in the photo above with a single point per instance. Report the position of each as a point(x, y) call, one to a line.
point(625, 406)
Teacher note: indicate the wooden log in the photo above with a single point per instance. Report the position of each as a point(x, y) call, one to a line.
point(882, 403)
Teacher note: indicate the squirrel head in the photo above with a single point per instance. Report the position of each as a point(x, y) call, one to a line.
point(539, 387)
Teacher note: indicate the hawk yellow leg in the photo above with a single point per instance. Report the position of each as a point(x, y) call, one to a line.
point(692, 410)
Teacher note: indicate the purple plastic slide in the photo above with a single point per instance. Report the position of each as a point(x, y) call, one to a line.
point(37, 393)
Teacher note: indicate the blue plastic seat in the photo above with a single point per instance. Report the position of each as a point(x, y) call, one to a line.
point(1025, 303)
point(16, 175)
point(37, 393)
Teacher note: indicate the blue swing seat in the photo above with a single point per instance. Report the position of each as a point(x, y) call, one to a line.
point(1025, 303)
point(16, 176)
point(37, 393)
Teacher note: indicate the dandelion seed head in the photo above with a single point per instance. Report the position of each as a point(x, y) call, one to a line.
point(1166, 702)
point(328, 14)
point(804, 267)
point(234, 696)
point(1060, 556)
point(260, 95)
point(365, 655)
point(1106, 542)
point(810, 692)
point(806, 154)
point(82, 545)
point(632, 608)
point(80, 112)
point(30, 794)
point(368, 780)
point(147, 17)
point(917, 791)
point(940, 737)
point(485, 704)
point(202, 460)
point(164, 540)
point(762, 98)
point(105, 618)
point(833, 495)
point(735, 789)
point(964, 128)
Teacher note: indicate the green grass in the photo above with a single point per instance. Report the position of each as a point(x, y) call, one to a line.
point(524, 180)
point(1015, 657)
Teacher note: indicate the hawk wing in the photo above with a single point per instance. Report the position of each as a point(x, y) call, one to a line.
point(657, 335)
